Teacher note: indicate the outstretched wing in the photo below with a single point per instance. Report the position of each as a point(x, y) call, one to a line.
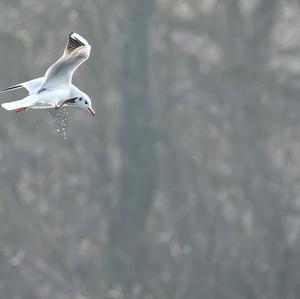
point(60, 73)
point(31, 85)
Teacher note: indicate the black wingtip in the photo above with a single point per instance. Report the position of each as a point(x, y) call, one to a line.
point(74, 42)
point(11, 88)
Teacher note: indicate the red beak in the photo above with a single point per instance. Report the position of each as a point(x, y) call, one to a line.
point(91, 110)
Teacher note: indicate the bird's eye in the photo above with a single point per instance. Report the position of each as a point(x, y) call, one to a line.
point(80, 99)
point(86, 102)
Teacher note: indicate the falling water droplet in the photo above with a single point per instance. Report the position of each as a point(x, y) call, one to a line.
point(61, 122)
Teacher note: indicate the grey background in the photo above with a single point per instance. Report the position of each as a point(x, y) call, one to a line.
point(186, 184)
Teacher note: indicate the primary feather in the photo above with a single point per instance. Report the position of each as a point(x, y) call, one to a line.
point(60, 73)
point(31, 85)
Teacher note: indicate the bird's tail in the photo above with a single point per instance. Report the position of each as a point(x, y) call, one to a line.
point(24, 103)
point(11, 105)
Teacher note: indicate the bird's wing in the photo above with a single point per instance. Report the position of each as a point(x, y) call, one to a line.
point(31, 85)
point(59, 75)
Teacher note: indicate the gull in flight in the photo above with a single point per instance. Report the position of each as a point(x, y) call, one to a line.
point(55, 89)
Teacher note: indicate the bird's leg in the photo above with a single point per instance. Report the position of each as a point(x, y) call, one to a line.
point(59, 106)
point(71, 100)
point(21, 109)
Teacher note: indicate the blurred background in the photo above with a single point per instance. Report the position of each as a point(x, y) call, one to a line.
point(186, 185)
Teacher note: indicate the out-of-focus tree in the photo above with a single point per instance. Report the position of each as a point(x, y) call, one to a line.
point(138, 172)
point(185, 185)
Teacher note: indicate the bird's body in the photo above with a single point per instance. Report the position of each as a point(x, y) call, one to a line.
point(55, 89)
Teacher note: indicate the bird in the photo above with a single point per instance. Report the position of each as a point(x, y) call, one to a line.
point(55, 88)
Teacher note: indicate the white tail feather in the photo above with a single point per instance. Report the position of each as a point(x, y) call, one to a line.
point(12, 105)
point(26, 102)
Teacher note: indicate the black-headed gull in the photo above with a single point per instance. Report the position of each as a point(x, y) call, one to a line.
point(55, 89)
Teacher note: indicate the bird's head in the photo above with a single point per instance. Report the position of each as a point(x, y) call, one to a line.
point(84, 102)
